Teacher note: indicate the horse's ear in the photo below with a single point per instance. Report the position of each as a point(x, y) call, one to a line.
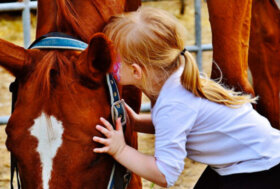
point(100, 53)
point(132, 5)
point(12, 57)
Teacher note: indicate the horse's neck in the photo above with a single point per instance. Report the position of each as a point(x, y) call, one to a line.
point(80, 19)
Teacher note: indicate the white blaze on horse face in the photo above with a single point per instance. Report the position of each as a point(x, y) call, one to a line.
point(48, 131)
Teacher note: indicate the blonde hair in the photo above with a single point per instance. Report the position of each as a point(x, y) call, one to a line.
point(154, 39)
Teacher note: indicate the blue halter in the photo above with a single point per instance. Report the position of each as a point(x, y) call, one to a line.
point(57, 40)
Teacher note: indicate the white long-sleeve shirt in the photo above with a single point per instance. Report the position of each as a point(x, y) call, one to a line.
point(230, 140)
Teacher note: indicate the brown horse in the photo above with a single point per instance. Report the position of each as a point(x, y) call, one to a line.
point(264, 58)
point(61, 95)
point(248, 31)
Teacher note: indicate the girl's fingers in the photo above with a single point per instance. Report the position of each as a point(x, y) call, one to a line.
point(101, 150)
point(107, 124)
point(118, 124)
point(103, 130)
point(128, 109)
point(100, 140)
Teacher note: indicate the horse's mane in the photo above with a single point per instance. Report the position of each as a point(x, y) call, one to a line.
point(66, 11)
point(84, 28)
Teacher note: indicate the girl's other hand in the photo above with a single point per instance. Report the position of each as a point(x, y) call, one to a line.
point(114, 142)
point(140, 122)
point(133, 117)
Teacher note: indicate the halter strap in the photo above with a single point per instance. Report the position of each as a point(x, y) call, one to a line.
point(57, 40)
point(117, 104)
point(59, 43)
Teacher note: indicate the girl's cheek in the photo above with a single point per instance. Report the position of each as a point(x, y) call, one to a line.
point(116, 71)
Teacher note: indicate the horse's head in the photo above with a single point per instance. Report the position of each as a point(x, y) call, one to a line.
point(61, 96)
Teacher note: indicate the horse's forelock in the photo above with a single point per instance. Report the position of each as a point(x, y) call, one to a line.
point(54, 67)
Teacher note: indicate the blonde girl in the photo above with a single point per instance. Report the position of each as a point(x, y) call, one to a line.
point(192, 116)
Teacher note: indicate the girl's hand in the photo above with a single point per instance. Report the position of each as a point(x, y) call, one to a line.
point(114, 143)
point(133, 117)
point(140, 122)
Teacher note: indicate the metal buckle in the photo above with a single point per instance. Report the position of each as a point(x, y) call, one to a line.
point(118, 110)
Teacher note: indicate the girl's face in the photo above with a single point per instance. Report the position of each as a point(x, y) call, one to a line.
point(127, 74)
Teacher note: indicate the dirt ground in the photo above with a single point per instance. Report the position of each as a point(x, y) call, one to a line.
point(11, 30)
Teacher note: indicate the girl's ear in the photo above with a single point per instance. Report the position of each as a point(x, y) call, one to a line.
point(137, 71)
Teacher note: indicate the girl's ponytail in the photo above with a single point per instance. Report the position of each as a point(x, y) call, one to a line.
point(204, 87)
point(190, 76)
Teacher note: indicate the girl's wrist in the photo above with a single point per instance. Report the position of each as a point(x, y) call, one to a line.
point(118, 155)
